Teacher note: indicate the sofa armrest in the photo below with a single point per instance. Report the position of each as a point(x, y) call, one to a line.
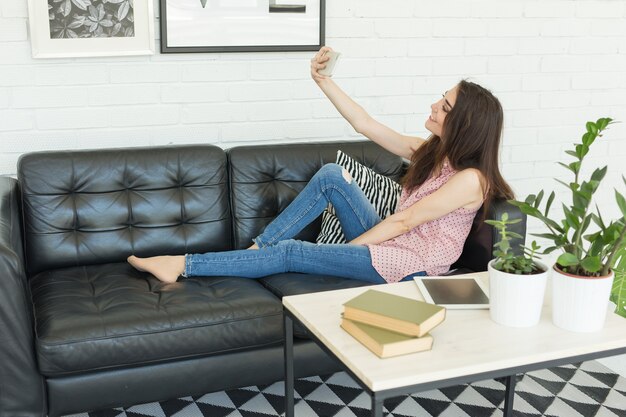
point(21, 386)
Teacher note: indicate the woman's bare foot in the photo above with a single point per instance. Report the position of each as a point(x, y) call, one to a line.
point(254, 246)
point(165, 268)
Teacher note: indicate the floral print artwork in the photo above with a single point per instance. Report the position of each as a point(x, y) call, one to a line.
point(91, 18)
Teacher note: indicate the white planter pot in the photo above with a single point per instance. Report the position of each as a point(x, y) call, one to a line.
point(516, 300)
point(580, 304)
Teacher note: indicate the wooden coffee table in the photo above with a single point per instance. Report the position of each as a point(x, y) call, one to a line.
point(468, 347)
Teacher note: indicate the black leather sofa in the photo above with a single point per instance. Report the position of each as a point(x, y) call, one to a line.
point(80, 330)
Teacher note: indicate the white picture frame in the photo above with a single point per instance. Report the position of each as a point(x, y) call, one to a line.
point(241, 25)
point(63, 28)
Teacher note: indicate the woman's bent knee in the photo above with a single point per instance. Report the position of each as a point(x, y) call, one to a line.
point(335, 171)
point(346, 175)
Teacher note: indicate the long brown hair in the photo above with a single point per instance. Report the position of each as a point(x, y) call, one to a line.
point(470, 138)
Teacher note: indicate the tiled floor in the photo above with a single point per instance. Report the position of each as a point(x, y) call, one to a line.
point(580, 390)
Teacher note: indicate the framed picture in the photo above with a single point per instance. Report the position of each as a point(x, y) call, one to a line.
point(241, 25)
point(82, 28)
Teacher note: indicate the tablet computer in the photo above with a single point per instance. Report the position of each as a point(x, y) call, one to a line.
point(454, 292)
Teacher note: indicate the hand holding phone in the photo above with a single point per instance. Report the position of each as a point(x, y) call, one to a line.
point(330, 64)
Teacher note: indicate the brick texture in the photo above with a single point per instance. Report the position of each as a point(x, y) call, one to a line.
point(554, 63)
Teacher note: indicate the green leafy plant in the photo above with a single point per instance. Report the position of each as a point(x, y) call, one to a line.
point(593, 254)
point(618, 292)
point(506, 260)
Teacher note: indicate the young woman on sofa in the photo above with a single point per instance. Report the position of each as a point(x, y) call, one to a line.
point(451, 175)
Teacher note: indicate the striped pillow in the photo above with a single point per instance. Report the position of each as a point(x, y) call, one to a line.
point(381, 191)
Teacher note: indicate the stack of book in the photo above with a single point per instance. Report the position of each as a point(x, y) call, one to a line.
point(391, 325)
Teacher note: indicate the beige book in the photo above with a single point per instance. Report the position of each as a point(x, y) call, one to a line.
point(395, 313)
point(385, 343)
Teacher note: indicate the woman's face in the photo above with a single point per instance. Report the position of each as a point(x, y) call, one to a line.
point(439, 110)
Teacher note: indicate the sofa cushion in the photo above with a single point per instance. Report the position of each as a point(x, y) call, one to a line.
point(86, 207)
point(292, 283)
point(107, 316)
point(381, 191)
point(265, 179)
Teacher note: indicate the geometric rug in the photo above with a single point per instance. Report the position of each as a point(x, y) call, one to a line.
point(586, 389)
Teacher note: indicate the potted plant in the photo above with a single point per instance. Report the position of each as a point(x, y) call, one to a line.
point(583, 274)
point(517, 283)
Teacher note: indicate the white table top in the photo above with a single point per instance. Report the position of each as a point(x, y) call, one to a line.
point(466, 343)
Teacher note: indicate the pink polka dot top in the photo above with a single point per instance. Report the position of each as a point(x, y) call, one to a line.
point(432, 246)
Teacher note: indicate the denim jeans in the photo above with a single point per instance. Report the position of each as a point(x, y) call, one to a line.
point(356, 214)
point(279, 252)
point(347, 261)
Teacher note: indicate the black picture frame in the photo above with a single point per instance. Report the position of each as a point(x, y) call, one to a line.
point(278, 9)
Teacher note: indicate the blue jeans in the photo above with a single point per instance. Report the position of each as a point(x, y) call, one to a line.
point(279, 252)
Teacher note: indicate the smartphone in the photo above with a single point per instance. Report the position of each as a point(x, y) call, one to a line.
point(330, 64)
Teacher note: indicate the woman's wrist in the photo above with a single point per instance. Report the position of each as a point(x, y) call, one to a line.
point(322, 81)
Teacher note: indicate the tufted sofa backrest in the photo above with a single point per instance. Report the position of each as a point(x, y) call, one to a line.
point(265, 179)
point(92, 207)
point(99, 206)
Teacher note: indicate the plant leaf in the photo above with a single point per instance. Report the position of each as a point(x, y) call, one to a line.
point(549, 203)
point(538, 199)
point(603, 123)
point(123, 10)
point(66, 8)
point(592, 128)
point(530, 199)
point(549, 236)
point(599, 220)
point(550, 250)
point(591, 263)
point(599, 174)
point(597, 244)
point(82, 4)
point(563, 182)
point(570, 218)
point(618, 292)
point(566, 166)
point(76, 24)
point(585, 224)
point(621, 202)
point(567, 259)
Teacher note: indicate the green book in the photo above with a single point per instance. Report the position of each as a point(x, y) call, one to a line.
point(385, 343)
point(393, 312)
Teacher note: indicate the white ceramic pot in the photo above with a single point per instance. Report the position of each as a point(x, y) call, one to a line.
point(580, 303)
point(516, 300)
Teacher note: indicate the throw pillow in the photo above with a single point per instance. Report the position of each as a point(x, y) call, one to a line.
point(381, 191)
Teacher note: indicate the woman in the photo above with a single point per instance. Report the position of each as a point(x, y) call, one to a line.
point(450, 176)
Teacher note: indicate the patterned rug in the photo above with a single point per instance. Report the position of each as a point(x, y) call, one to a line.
point(581, 390)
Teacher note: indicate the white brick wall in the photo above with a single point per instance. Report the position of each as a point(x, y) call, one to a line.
point(554, 64)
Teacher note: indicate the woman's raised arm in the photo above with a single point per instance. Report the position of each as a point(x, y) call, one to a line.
point(360, 120)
